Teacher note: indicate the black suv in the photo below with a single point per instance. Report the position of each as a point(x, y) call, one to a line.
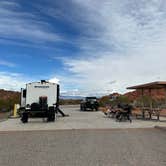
point(89, 103)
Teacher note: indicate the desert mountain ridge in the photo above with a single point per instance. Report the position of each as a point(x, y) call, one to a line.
point(8, 94)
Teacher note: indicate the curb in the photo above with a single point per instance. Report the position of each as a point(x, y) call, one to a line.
point(69, 130)
point(13, 117)
point(2, 120)
point(160, 127)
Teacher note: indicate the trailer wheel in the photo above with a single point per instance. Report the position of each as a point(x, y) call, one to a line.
point(24, 117)
point(48, 118)
point(51, 114)
point(84, 108)
point(51, 117)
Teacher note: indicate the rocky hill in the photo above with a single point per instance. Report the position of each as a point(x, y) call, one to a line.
point(4, 94)
point(156, 94)
point(8, 99)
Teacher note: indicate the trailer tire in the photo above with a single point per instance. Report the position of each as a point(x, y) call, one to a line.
point(81, 107)
point(51, 114)
point(51, 117)
point(24, 117)
point(84, 108)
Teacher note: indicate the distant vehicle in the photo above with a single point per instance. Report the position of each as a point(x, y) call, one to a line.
point(90, 103)
point(39, 99)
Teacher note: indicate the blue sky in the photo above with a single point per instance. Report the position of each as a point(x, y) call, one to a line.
point(93, 47)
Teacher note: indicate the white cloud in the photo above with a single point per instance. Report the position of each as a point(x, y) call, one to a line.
point(133, 40)
point(7, 63)
point(22, 25)
point(12, 81)
point(122, 42)
point(54, 80)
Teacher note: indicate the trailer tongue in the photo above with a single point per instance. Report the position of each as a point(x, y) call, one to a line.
point(40, 99)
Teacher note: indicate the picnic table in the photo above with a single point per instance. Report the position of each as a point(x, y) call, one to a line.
point(151, 112)
point(150, 88)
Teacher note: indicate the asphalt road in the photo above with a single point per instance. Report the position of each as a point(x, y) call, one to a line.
point(109, 147)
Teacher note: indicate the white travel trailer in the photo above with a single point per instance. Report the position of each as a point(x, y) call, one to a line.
point(39, 99)
point(35, 90)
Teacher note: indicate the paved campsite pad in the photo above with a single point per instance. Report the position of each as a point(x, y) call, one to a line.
point(77, 120)
point(118, 147)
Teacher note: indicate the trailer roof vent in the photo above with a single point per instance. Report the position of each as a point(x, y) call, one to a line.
point(43, 81)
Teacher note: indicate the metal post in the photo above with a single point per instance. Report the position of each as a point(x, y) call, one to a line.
point(143, 111)
point(150, 111)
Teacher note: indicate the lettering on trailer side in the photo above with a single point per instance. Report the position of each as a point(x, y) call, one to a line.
point(41, 86)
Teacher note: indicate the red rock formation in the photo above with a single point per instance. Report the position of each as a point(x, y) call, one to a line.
point(4, 94)
point(155, 93)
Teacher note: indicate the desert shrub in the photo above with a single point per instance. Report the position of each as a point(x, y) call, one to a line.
point(69, 102)
point(121, 99)
point(8, 104)
point(105, 100)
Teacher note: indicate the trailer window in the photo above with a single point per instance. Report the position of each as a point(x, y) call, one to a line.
point(24, 93)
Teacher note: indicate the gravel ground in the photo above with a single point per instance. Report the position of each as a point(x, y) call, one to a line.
point(115, 147)
point(77, 120)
